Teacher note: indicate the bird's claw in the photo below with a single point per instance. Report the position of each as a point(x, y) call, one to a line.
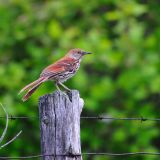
point(69, 94)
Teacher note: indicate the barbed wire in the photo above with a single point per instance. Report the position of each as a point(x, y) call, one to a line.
point(123, 119)
point(83, 154)
point(142, 119)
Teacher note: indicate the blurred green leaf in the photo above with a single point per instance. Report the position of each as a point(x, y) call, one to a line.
point(120, 79)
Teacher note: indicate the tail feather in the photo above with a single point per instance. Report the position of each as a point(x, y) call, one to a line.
point(29, 93)
point(32, 87)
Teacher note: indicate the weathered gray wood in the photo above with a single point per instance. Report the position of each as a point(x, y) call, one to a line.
point(60, 125)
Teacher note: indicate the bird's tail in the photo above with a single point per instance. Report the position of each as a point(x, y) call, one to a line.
point(32, 87)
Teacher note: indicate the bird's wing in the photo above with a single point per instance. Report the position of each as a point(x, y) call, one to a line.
point(60, 66)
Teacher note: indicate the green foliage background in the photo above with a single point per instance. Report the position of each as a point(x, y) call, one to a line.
point(120, 79)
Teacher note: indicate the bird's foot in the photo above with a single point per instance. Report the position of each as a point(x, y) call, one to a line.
point(69, 94)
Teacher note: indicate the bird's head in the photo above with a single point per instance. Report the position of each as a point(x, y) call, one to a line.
point(77, 53)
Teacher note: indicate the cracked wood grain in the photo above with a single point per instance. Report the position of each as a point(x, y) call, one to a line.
point(60, 125)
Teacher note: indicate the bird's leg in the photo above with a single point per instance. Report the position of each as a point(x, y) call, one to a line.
point(56, 84)
point(65, 87)
point(69, 93)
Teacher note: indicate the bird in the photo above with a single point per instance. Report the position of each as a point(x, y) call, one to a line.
point(58, 72)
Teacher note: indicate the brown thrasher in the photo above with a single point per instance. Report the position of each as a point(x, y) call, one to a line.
point(58, 72)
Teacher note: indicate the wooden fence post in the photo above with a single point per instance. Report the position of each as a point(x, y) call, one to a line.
point(60, 125)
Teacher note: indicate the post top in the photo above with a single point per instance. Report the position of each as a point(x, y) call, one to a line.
point(69, 95)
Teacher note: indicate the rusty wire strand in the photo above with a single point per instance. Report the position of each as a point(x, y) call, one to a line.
point(142, 119)
point(87, 153)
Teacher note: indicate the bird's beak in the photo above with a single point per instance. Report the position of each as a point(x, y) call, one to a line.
point(84, 53)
